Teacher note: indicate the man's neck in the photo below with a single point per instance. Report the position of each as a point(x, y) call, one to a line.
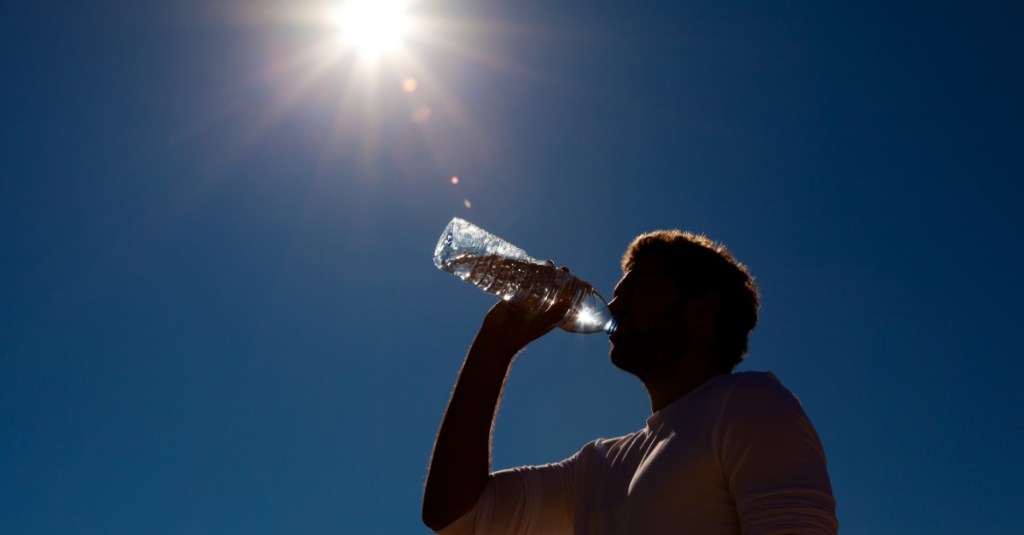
point(664, 390)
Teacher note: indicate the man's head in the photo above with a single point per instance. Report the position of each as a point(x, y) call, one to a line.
point(679, 292)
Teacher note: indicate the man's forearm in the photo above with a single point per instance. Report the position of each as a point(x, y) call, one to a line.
point(461, 461)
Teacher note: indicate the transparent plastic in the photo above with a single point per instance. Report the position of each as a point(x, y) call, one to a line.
point(498, 267)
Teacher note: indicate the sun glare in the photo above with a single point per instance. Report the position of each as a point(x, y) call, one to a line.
point(373, 26)
point(362, 63)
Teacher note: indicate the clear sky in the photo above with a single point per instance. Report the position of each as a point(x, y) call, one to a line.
point(218, 311)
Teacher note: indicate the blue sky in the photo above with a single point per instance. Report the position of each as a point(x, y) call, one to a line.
point(218, 312)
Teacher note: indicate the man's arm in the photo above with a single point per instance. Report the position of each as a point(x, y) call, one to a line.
point(461, 462)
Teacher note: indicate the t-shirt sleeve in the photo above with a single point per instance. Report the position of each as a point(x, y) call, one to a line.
point(773, 461)
point(522, 501)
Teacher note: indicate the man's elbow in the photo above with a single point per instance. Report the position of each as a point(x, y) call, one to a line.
point(431, 521)
point(438, 516)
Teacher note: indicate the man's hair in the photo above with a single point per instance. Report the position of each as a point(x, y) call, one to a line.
point(700, 265)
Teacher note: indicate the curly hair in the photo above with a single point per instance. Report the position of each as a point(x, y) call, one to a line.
point(700, 265)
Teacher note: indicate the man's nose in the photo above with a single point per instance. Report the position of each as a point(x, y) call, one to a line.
point(614, 305)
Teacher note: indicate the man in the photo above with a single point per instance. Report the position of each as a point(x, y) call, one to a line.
point(722, 453)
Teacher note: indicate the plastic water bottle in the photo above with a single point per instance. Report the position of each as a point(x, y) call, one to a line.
point(496, 266)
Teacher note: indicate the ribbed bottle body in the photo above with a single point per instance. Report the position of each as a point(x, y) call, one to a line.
point(500, 268)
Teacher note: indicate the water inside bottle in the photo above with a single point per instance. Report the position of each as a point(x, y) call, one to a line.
point(534, 287)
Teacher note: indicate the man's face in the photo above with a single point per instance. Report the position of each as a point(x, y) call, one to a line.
point(649, 322)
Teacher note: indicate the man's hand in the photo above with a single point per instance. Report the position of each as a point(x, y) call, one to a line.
point(509, 328)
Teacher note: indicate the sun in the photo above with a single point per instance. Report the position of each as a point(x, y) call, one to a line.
point(373, 27)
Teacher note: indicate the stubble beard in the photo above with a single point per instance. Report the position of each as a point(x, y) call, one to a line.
point(646, 358)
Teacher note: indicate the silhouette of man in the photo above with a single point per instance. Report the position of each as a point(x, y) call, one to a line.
point(722, 452)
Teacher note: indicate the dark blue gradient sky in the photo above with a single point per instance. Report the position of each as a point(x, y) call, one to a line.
point(218, 312)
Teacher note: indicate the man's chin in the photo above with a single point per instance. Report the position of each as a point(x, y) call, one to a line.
point(638, 361)
point(622, 360)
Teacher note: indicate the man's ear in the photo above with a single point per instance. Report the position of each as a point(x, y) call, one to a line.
point(703, 309)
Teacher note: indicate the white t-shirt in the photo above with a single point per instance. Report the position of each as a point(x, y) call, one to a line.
point(735, 455)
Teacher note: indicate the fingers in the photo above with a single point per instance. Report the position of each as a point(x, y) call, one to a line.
point(516, 325)
point(508, 325)
point(514, 316)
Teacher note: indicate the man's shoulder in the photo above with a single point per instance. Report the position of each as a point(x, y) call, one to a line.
point(753, 381)
point(608, 447)
point(730, 384)
point(759, 393)
point(603, 445)
point(752, 377)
